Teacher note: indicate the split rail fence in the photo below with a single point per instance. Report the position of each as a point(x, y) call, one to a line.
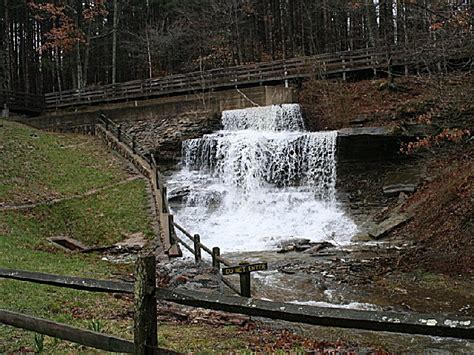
point(146, 296)
point(145, 310)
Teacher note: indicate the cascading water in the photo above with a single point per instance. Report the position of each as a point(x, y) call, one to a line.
point(260, 180)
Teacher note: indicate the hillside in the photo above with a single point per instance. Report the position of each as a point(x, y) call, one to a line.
point(431, 267)
point(63, 185)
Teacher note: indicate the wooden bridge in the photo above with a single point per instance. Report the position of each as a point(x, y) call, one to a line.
point(340, 64)
point(325, 65)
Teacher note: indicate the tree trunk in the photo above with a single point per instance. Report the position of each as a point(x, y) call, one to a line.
point(87, 56)
point(6, 48)
point(371, 22)
point(114, 43)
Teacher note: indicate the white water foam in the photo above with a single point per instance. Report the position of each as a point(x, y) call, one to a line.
point(261, 180)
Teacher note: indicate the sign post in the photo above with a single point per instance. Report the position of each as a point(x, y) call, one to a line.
point(244, 270)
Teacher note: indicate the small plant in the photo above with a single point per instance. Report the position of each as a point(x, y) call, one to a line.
point(39, 343)
point(96, 325)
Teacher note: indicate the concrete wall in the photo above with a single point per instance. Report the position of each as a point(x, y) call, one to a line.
point(209, 103)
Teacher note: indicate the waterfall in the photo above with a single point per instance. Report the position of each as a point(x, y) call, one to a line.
point(261, 179)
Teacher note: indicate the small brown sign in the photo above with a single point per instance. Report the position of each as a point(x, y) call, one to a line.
point(242, 269)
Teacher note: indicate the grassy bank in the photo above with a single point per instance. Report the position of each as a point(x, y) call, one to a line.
point(37, 167)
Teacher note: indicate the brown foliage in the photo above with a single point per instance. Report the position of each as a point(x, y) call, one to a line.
point(64, 33)
point(447, 135)
point(444, 216)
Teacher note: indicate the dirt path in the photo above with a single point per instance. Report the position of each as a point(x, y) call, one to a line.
point(68, 198)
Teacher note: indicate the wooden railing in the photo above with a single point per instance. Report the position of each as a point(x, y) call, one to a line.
point(168, 226)
point(147, 294)
point(21, 101)
point(257, 73)
point(221, 78)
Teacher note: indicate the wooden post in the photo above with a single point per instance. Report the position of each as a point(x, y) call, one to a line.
point(374, 65)
point(164, 220)
point(119, 132)
point(244, 282)
point(344, 70)
point(215, 263)
point(145, 323)
point(164, 203)
point(171, 228)
point(197, 248)
point(157, 176)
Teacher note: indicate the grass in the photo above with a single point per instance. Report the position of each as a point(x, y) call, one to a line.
point(37, 166)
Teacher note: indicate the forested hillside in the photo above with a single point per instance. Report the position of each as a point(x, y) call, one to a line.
point(56, 45)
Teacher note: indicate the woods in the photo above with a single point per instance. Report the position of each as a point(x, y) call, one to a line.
point(69, 44)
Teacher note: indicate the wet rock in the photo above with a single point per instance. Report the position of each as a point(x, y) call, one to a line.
point(302, 247)
point(286, 249)
point(317, 247)
point(393, 190)
point(293, 242)
point(396, 220)
point(361, 237)
point(178, 194)
point(366, 131)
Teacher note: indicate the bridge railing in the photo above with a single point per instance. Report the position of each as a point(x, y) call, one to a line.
point(221, 78)
point(21, 101)
point(215, 78)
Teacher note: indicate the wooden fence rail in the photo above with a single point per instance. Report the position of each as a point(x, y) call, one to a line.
point(66, 332)
point(397, 322)
point(282, 70)
point(144, 290)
